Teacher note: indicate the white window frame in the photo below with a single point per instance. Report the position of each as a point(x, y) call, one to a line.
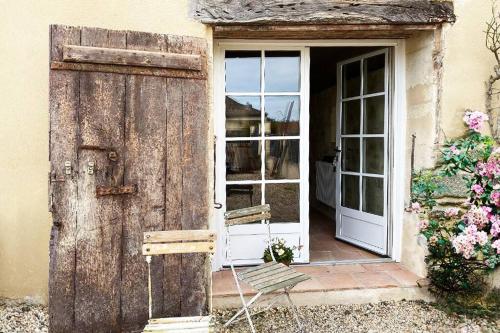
point(397, 127)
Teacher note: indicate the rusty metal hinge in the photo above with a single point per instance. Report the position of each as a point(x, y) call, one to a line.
point(115, 190)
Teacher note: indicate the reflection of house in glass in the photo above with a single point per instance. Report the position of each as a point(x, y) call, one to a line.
point(243, 158)
point(242, 118)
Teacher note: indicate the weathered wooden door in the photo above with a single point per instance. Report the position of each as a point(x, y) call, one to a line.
point(128, 153)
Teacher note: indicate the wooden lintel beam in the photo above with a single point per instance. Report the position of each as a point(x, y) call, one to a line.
point(110, 56)
point(269, 12)
point(320, 31)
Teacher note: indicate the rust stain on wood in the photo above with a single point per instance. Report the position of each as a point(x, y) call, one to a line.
point(101, 191)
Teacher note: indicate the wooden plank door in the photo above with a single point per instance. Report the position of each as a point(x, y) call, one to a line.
point(128, 136)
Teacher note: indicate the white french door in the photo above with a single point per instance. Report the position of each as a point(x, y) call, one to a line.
point(362, 140)
point(262, 151)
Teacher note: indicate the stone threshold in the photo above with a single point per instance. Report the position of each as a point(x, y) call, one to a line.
point(335, 284)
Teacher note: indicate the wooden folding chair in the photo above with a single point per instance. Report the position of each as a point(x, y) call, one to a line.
point(171, 242)
point(266, 278)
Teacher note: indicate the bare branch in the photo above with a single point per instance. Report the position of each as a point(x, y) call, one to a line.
point(492, 41)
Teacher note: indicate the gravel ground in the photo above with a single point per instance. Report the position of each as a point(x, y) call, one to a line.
point(23, 317)
point(403, 316)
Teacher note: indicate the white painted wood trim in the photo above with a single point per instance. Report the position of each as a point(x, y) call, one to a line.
point(399, 119)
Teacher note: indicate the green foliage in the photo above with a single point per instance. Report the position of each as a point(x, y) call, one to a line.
point(282, 253)
point(463, 154)
point(463, 246)
point(473, 305)
point(425, 186)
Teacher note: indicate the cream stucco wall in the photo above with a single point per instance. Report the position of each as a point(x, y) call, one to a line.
point(446, 73)
point(436, 98)
point(24, 45)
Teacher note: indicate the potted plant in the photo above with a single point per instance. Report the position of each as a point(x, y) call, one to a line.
point(282, 253)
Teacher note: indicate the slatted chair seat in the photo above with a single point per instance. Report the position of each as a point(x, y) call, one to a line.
point(272, 276)
point(266, 278)
point(170, 242)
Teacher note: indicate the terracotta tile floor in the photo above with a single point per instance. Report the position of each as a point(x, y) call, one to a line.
point(323, 245)
point(331, 278)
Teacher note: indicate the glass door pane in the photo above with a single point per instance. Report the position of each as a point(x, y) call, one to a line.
point(285, 202)
point(243, 71)
point(243, 160)
point(282, 159)
point(282, 72)
point(282, 115)
point(243, 115)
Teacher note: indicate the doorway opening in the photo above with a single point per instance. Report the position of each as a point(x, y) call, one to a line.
point(348, 153)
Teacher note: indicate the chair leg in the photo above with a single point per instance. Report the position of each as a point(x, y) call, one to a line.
point(295, 311)
point(244, 309)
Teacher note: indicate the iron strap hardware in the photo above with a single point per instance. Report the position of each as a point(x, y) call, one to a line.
point(115, 190)
point(112, 154)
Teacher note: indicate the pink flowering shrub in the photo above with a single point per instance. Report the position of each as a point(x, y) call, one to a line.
point(475, 120)
point(463, 243)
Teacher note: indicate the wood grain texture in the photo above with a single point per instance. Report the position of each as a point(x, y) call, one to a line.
point(131, 70)
point(178, 235)
point(195, 195)
point(172, 248)
point(138, 129)
point(320, 31)
point(247, 219)
point(145, 166)
point(63, 109)
point(99, 234)
point(222, 12)
point(247, 211)
point(130, 57)
point(173, 194)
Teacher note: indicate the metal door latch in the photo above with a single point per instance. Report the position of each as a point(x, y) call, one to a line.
point(67, 167)
point(90, 168)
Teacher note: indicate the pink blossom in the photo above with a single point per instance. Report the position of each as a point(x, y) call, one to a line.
point(490, 168)
point(495, 198)
point(495, 228)
point(455, 150)
point(451, 212)
point(482, 238)
point(415, 207)
point(478, 189)
point(475, 120)
point(422, 225)
point(462, 245)
point(471, 232)
point(496, 245)
point(476, 216)
point(465, 242)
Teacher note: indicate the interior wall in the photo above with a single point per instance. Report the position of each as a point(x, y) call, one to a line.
point(24, 44)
